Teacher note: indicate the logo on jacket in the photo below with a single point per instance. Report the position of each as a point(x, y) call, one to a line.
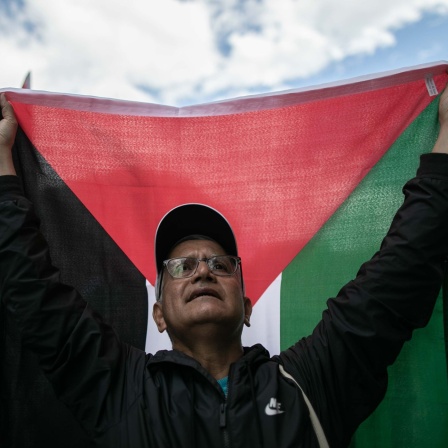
point(274, 407)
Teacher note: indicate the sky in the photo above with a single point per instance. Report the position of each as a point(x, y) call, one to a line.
point(183, 52)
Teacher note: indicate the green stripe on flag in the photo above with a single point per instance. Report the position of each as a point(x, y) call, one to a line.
point(415, 410)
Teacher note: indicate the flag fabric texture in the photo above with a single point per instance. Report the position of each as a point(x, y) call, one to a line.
point(309, 181)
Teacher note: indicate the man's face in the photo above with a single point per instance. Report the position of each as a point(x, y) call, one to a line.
point(202, 300)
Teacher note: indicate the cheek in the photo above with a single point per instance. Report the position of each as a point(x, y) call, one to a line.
point(236, 291)
point(172, 293)
point(238, 287)
point(169, 287)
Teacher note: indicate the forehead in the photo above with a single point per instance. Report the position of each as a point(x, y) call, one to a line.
point(197, 248)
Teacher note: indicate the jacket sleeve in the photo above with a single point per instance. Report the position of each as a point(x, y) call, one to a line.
point(96, 375)
point(342, 366)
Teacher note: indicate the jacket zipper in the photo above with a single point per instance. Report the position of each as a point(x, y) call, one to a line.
point(223, 424)
point(223, 414)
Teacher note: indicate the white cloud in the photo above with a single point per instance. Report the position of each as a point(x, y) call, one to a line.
point(299, 38)
point(166, 51)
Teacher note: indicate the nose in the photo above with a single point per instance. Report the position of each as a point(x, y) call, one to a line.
point(203, 271)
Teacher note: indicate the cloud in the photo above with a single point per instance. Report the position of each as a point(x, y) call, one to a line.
point(173, 51)
point(296, 39)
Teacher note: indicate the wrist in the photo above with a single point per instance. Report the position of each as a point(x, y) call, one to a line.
point(441, 145)
point(6, 165)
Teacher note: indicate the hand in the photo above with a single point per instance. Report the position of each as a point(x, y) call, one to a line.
point(442, 141)
point(443, 107)
point(8, 129)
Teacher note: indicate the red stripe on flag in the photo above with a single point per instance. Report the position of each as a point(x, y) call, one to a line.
point(276, 174)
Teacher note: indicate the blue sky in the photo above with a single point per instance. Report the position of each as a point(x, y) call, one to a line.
point(180, 52)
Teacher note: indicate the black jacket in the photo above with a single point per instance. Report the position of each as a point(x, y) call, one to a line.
point(125, 398)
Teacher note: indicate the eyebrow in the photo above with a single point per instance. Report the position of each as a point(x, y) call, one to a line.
point(191, 256)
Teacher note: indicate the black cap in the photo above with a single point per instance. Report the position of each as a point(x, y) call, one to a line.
point(192, 219)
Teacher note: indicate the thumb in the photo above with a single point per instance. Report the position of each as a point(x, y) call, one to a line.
point(8, 123)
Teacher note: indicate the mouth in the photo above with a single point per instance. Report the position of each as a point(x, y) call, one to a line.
point(204, 292)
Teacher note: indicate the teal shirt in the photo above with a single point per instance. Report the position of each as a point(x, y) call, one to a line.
point(223, 383)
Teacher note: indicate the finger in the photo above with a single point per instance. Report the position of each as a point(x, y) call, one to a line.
point(7, 109)
point(2, 101)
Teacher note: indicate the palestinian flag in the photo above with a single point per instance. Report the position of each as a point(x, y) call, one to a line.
point(308, 179)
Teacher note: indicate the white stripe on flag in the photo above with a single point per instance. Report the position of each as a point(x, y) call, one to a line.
point(154, 340)
point(265, 320)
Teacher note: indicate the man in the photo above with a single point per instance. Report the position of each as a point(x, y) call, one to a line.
point(209, 390)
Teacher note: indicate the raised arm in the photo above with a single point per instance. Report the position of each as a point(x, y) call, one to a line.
point(82, 357)
point(441, 145)
point(343, 365)
point(8, 129)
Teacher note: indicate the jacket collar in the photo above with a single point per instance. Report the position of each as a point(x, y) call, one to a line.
point(252, 355)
